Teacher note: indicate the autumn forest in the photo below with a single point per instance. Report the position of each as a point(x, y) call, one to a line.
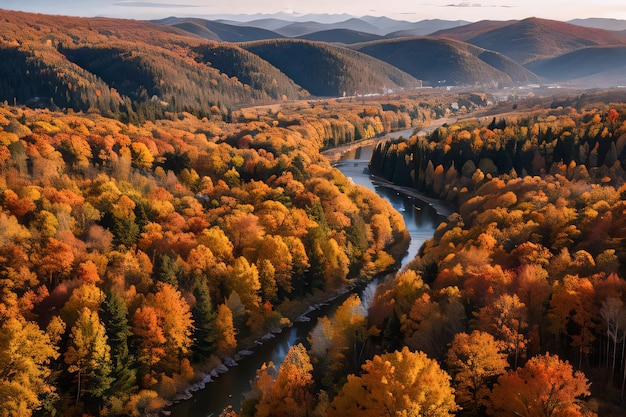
point(159, 216)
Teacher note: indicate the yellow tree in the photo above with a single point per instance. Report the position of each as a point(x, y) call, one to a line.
point(545, 387)
point(141, 155)
point(87, 295)
point(176, 321)
point(290, 394)
point(336, 264)
point(227, 343)
point(474, 360)
point(275, 250)
point(216, 240)
point(25, 355)
point(244, 280)
point(401, 383)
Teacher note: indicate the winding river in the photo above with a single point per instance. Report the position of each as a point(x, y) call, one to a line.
point(421, 219)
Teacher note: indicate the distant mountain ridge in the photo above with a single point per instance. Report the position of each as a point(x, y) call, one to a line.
point(599, 61)
point(523, 42)
point(220, 31)
point(304, 28)
point(341, 36)
point(132, 69)
point(440, 61)
point(531, 39)
point(615, 25)
point(278, 27)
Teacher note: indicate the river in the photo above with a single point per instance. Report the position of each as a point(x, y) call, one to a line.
point(421, 220)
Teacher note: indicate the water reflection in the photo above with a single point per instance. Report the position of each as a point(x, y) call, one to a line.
point(420, 218)
point(228, 389)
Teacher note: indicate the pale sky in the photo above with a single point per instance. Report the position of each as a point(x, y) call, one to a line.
point(398, 9)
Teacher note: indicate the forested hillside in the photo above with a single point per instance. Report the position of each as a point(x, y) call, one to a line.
point(586, 144)
point(326, 70)
point(440, 61)
point(129, 70)
point(135, 71)
point(135, 258)
point(155, 220)
point(534, 259)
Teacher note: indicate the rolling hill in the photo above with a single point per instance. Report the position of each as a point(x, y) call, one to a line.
point(595, 66)
point(425, 27)
point(471, 30)
point(440, 61)
point(269, 23)
point(249, 69)
point(387, 25)
point(219, 31)
point(303, 28)
point(531, 39)
point(615, 25)
point(127, 69)
point(327, 70)
point(193, 26)
point(135, 70)
point(346, 36)
point(295, 26)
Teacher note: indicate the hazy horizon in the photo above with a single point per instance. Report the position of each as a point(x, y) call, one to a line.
point(400, 10)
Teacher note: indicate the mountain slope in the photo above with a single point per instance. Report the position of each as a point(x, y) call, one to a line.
point(532, 39)
point(303, 28)
point(346, 36)
point(469, 31)
point(385, 24)
point(604, 64)
point(225, 32)
point(191, 26)
point(445, 61)
point(250, 69)
point(265, 23)
point(425, 27)
point(601, 23)
point(327, 70)
point(123, 68)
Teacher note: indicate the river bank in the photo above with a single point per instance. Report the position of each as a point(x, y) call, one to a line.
point(225, 385)
point(335, 155)
point(231, 378)
point(442, 207)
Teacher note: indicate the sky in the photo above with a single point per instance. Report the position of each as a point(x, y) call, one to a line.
point(413, 11)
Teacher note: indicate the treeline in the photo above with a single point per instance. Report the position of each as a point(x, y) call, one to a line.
point(134, 258)
point(333, 123)
point(587, 145)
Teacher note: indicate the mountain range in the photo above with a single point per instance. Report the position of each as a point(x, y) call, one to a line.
point(135, 69)
point(457, 52)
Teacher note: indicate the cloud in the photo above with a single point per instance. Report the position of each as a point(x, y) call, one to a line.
point(151, 4)
point(464, 4)
point(477, 5)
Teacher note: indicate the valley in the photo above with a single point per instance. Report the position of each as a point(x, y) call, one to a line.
point(173, 193)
